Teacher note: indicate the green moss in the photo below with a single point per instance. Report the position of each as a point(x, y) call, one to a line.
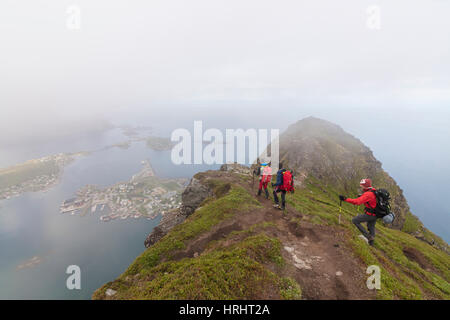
point(219, 187)
point(402, 278)
point(290, 290)
point(200, 221)
point(411, 224)
point(236, 272)
point(313, 204)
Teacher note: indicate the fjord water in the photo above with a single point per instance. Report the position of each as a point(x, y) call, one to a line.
point(31, 225)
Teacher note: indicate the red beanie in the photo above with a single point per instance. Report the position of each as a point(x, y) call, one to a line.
point(366, 183)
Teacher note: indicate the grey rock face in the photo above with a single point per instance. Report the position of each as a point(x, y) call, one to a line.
point(236, 168)
point(170, 220)
point(194, 194)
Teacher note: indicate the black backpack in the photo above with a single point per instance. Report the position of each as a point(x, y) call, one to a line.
point(383, 207)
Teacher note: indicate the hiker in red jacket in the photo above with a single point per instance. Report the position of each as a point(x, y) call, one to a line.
point(265, 175)
point(284, 183)
point(369, 200)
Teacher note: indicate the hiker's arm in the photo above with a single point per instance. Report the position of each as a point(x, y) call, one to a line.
point(279, 181)
point(358, 201)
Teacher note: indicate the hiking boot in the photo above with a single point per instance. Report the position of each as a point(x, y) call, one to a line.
point(371, 239)
point(276, 206)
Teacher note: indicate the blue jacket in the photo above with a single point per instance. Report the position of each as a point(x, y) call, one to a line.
point(279, 178)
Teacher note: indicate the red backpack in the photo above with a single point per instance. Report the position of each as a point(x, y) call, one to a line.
point(288, 182)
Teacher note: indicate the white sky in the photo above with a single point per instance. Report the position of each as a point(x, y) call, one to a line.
point(135, 54)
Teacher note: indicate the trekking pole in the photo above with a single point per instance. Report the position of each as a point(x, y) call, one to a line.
point(340, 210)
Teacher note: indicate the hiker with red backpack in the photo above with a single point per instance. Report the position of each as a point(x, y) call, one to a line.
point(284, 183)
point(265, 175)
point(369, 199)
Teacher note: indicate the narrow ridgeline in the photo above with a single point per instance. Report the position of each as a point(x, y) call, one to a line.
point(225, 242)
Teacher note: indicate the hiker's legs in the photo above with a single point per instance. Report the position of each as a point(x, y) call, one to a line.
point(358, 220)
point(283, 199)
point(371, 227)
point(260, 187)
point(275, 197)
point(265, 189)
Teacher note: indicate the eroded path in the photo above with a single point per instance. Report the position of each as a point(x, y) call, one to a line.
point(317, 256)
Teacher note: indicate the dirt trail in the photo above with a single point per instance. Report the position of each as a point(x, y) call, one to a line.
point(320, 261)
point(317, 256)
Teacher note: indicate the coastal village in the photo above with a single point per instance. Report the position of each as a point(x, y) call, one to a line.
point(33, 175)
point(144, 196)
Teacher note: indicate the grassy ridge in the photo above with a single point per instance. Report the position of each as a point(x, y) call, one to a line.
point(245, 264)
point(232, 273)
point(223, 272)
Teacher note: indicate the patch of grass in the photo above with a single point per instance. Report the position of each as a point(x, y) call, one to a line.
point(401, 278)
point(218, 187)
point(306, 203)
point(199, 222)
point(290, 290)
point(236, 235)
point(412, 223)
point(237, 272)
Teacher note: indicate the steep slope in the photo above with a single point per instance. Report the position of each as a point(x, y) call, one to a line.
point(227, 243)
point(320, 151)
point(235, 245)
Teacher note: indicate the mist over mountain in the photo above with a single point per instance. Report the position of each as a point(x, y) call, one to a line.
point(323, 150)
point(225, 242)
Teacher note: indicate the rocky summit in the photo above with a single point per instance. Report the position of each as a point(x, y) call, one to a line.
point(225, 242)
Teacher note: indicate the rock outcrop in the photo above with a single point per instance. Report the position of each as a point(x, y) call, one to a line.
point(235, 168)
point(168, 221)
point(194, 194)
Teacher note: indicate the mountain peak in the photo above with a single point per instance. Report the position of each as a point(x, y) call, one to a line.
point(321, 150)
